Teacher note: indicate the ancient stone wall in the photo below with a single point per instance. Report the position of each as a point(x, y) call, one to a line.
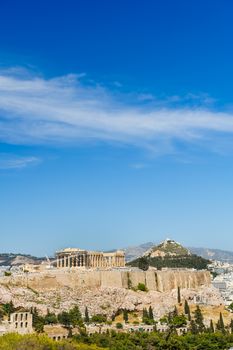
point(161, 281)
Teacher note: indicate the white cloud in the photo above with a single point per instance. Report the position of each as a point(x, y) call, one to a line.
point(35, 110)
point(16, 162)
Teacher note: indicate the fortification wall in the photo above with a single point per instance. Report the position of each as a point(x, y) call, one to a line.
point(160, 281)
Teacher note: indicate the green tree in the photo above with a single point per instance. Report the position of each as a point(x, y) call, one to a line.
point(150, 314)
point(50, 318)
point(186, 307)
point(99, 318)
point(211, 329)
point(1, 314)
point(8, 308)
point(75, 317)
point(143, 263)
point(179, 321)
point(231, 326)
point(220, 324)
point(119, 325)
point(145, 315)
point(187, 310)
point(193, 327)
point(125, 315)
point(175, 312)
point(86, 317)
point(178, 295)
point(64, 319)
point(37, 321)
point(199, 320)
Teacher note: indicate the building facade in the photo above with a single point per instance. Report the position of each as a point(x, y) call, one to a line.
point(75, 258)
point(19, 322)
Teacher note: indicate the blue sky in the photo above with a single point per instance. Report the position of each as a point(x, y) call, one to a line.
point(116, 123)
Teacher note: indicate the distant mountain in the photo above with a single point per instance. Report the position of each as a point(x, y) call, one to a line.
point(214, 254)
point(134, 252)
point(10, 259)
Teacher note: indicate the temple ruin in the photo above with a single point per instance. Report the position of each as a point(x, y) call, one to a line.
point(77, 258)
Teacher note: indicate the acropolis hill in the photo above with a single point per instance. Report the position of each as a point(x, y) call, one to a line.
point(79, 268)
point(101, 280)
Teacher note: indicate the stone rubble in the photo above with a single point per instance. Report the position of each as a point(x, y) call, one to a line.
point(105, 300)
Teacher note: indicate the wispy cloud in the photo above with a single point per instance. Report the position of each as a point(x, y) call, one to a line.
point(16, 162)
point(138, 166)
point(35, 110)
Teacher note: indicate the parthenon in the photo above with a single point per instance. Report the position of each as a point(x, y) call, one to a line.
point(75, 258)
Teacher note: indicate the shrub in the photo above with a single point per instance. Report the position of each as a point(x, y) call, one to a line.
point(119, 325)
point(7, 273)
point(142, 287)
point(99, 318)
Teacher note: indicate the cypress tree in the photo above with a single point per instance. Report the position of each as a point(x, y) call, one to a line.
point(186, 307)
point(189, 315)
point(231, 326)
point(125, 315)
point(187, 310)
point(193, 327)
point(86, 318)
point(198, 317)
point(220, 324)
point(175, 312)
point(211, 326)
point(145, 315)
point(150, 314)
point(178, 295)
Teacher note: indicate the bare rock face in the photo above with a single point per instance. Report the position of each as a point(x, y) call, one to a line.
point(106, 292)
point(106, 300)
point(161, 281)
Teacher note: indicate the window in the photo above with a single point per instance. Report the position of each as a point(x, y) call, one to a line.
point(16, 317)
point(26, 325)
point(26, 317)
point(21, 317)
point(16, 324)
point(21, 324)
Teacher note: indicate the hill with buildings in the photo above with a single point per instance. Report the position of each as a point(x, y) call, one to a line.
point(167, 248)
point(169, 254)
point(134, 252)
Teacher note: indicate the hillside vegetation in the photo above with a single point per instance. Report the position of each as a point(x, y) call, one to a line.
point(120, 341)
point(169, 254)
point(40, 342)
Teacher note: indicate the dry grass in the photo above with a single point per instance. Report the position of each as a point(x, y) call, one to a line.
point(210, 312)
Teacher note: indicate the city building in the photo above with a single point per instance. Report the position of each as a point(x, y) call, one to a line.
point(77, 258)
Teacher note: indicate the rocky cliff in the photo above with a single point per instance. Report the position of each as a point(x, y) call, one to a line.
point(160, 281)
